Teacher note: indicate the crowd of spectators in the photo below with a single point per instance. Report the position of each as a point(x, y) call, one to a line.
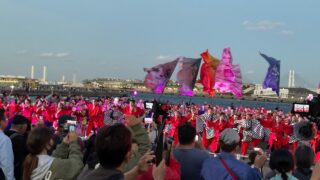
point(111, 138)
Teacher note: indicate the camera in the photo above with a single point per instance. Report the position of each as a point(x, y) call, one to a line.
point(148, 105)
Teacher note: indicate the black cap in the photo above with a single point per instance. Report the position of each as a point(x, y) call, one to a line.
point(20, 120)
point(63, 119)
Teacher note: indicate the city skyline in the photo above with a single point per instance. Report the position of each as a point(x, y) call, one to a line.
point(118, 39)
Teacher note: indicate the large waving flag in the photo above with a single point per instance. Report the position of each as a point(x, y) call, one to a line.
point(187, 75)
point(272, 79)
point(228, 76)
point(208, 72)
point(158, 76)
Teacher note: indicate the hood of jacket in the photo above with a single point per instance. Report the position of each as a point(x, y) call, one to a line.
point(44, 164)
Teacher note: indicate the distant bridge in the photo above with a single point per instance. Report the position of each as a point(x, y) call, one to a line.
point(88, 93)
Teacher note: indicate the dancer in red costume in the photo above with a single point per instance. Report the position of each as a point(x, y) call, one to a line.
point(218, 126)
point(62, 110)
point(14, 108)
point(132, 109)
point(80, 112)
point(175, 122)
point(51, 112)
point(28, 110)
point(41, 113)
point(2, 104)
point(95, 121)
point(277, 138)
point(205, 125)
point(192, 117)
point(252, 132)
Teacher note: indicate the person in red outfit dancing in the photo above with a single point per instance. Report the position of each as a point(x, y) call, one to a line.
point(132, 109)
point(278, 138)
point(95, 121)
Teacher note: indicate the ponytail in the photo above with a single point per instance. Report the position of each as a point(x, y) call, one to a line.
point(30, 163)
point(284, 176)
point(37, 141)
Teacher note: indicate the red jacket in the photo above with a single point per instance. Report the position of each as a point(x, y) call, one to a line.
point(192, 120)
point(287, 129)
point(63, 112)
point(95, 112)
point(28, 112)
point(127, 111)
point(51, 112)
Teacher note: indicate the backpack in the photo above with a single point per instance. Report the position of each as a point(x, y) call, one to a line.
point(2, 177)
point(115, 177)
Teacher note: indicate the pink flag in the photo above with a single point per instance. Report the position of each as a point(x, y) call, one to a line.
point(228, 76)
point(158, 76)
point(186, 77)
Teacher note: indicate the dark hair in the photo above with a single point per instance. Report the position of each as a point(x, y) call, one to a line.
point(2, 114)
point(19, 120)
point(226, 147)
point(28, 100)
point(306, 131)
point(131, 100)
point(252, 157)
point(282, 161)
point(186, 134)
point(304, 157)
point(90, 156)
point(112, 145)
point(36, 143)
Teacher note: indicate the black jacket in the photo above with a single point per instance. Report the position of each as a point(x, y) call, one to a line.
point(19, 146)
point(101, 174)
point(302, 174)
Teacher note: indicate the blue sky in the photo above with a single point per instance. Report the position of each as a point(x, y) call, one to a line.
point(100, 38)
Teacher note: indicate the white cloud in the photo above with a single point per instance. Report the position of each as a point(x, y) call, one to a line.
point(64, 54)
point(245, 23)
point(56, 55)
point(287, 32)
point(264, 25)
point(23, 51)
point(47, 54)
point(164, 57)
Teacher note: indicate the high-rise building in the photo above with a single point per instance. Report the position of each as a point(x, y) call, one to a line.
point(291, 82)
point(32, 72)
point(293, 79)
point(74, 79)
point(44, 74)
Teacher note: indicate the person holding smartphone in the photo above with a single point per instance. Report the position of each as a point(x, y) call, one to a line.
point(65, 163)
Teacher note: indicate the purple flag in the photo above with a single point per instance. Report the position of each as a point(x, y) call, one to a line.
point(187, 75)
point(158, 76)
point(272, 79)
